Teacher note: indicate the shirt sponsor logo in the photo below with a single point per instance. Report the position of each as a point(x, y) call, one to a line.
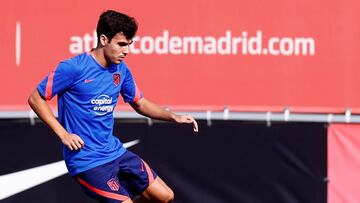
point(103, 105)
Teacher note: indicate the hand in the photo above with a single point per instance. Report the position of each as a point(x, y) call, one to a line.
point(187, 119)
point(72, 141)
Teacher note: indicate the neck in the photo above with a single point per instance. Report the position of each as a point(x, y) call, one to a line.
point(98, 54)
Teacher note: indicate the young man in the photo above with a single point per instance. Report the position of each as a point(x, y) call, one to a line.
point(88, 87)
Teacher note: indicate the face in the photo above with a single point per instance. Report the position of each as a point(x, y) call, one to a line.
point(116, 49)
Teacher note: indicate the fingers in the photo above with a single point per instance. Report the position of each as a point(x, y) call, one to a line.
point(74, 142)
point(196, 128)
point(74, 146)
point(190, 119)
point(81, 142)
point(69, 146)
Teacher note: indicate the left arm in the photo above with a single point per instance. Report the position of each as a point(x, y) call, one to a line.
point(151, 110)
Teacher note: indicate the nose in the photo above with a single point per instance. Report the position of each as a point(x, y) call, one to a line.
point(126, 49)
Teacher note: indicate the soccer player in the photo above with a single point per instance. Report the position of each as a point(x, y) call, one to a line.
point(88, 87)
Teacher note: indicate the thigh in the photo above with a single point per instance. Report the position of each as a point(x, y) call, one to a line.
point(102, 183)
point(158, 191)
point(135, 174)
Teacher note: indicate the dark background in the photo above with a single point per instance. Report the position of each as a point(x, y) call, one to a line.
point(229, 161)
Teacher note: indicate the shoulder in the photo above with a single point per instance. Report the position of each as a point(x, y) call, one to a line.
point(75, 64)
point(123, 66)
point(80, 61)
point(124, 69)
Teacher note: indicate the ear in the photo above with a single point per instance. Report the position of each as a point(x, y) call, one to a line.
point(103, 40)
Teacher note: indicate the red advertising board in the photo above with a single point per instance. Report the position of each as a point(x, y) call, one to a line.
point(246, 55)
point(343, 163)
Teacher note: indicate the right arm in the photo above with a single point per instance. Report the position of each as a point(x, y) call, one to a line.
point(43, 111)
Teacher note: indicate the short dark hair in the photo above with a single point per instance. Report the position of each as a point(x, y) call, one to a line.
point(112, 22)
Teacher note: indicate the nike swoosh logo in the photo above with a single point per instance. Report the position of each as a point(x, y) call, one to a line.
point(13, 183)
point(88, 80)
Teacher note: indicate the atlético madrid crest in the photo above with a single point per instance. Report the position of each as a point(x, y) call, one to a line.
point(113, 184)
point(116, 79)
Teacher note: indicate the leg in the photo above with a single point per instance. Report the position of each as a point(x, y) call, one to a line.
point(158, 191)
point(101, 183)
point(142, 182)
point(128, 201)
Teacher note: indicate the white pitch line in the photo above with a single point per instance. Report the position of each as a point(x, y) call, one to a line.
point(13, 183)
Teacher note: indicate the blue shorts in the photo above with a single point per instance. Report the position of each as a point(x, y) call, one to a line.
point(118, 180)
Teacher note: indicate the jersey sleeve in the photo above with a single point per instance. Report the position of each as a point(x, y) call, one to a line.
point(58, 80)
point(129, 90)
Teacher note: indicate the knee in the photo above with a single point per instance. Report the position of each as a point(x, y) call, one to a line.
point(169, 197)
